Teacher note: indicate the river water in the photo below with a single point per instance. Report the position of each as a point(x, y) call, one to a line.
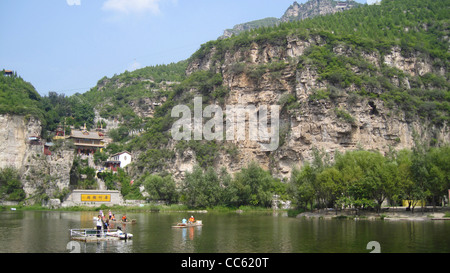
point(48, 232)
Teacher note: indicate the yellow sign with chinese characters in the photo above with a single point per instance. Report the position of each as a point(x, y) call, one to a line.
point(95, 198)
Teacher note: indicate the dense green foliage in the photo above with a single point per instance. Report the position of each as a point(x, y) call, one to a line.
point(122, 182)
point(203, 189)
point(18, 97)
point(208, 188)
point(365, 179)
point(112, 96)
point(204, 82)
point(161, 188)
point(205, 151)
point(11, 185)
point(252, 186)
point(82, 176)
point(70, 111)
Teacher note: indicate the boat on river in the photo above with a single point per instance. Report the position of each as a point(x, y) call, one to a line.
point(92, 235)
point(119, 234)
point(197, 223)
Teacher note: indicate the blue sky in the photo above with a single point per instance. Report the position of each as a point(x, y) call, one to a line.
point(66, 46)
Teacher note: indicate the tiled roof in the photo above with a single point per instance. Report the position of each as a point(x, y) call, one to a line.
point(85, 135)
point(124, 152)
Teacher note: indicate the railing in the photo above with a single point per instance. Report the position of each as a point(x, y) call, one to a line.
point(90, 232)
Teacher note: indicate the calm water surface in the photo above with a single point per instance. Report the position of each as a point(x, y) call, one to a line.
point(48, 232)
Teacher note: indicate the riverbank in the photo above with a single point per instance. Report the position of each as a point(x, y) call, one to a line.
point(388, 214)
point(149, 208)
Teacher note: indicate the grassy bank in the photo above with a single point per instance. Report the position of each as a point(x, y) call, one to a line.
point(143, 208)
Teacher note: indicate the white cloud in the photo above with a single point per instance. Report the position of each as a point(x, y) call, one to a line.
point(132, 6)
point(73, 2)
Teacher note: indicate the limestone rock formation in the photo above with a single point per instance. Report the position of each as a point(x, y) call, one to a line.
point(42, 175)
point(338, 123)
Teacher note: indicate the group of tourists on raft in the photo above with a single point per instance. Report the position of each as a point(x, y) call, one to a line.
point(191, 220)
point(102, 221)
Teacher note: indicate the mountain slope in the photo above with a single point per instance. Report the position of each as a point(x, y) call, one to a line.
point(266, 22)
point(313, 8)
point(296, 12)
point(18, 96)
point(370, 77)
point(343, 67)
point(374, 78)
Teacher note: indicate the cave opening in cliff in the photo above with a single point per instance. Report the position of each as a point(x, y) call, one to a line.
point(374, 110)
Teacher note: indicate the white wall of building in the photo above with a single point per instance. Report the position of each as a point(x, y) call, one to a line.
point(124, 158)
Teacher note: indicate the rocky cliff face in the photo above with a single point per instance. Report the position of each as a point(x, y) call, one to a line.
point(42, 175)
point(15, 132)
point(267, 22)
point(340, 122)
point(314, 8)
point(46, 176)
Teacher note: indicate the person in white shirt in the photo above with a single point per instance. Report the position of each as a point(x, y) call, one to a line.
point(99, 225)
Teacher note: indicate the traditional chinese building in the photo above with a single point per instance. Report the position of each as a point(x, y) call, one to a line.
point(124, 158)
point(8, 72)
point(119, 160)
point(341, 5)
point(47, 147)
point(113, 165)
point(59, 134)
point(34, 140)
point(87, 142)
